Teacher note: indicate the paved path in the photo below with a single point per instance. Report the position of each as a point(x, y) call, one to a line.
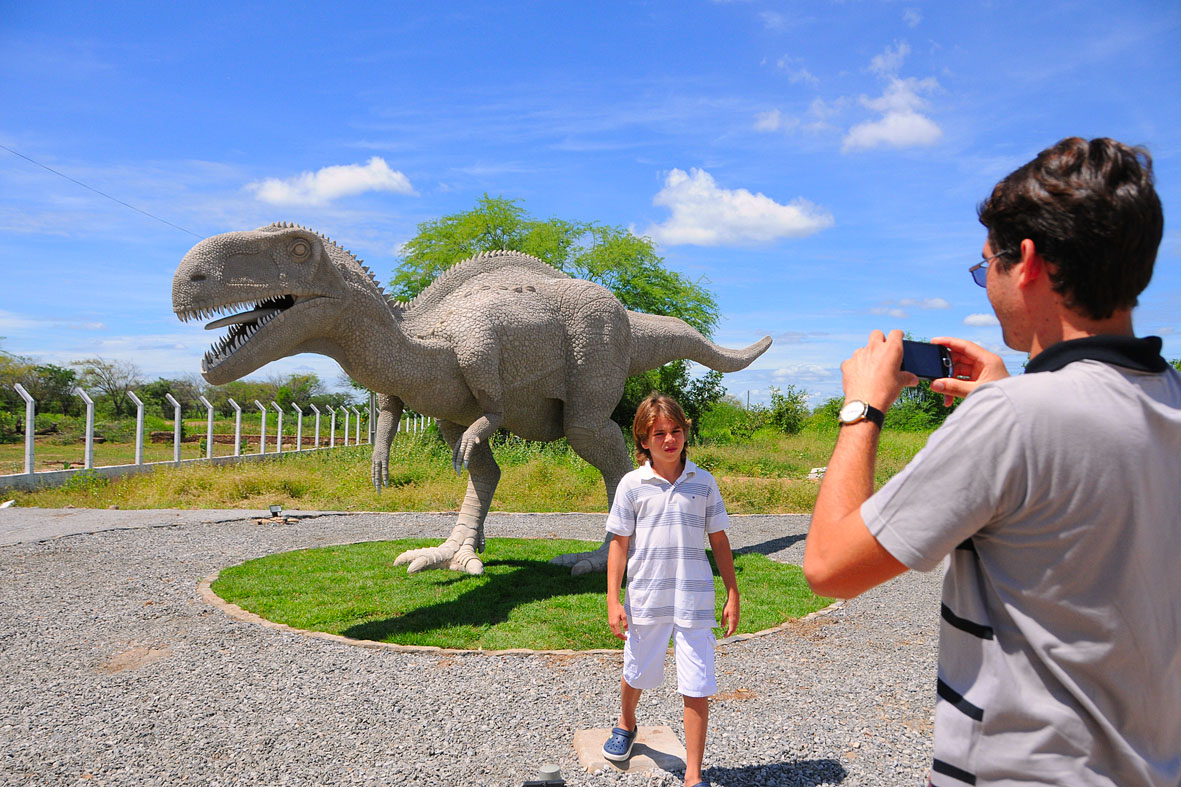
point(113, 672)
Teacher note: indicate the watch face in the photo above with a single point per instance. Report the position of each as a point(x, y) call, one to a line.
point(851, 411)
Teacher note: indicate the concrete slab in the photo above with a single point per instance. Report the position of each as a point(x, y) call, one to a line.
point(656, 748)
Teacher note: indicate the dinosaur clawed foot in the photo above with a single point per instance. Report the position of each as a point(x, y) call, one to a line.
point(457, 553)
point(583, 562)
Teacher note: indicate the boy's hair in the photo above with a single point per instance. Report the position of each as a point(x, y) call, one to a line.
point(1090, 209)
point(655, 405)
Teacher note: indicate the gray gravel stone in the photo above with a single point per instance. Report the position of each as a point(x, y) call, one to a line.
point(114, 672)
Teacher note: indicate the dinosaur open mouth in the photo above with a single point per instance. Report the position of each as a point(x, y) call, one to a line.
point(243, 325)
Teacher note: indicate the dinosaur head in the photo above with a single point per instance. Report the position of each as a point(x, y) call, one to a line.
point(283, 288)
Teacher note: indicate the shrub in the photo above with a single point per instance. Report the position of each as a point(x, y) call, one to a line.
point(789, 409)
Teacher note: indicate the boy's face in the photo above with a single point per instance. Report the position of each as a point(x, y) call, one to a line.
point(666, 440)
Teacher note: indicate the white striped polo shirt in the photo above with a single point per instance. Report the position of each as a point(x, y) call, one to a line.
point(669, 579)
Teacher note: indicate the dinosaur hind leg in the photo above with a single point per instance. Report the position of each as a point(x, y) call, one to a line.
point(458, 552)
point(605, 449)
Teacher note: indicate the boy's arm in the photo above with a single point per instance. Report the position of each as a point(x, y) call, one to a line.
point(719, 542)
point(616, 563)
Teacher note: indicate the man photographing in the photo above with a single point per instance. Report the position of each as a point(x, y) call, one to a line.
point(1056, 495)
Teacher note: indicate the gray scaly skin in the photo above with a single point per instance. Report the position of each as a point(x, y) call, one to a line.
point(499, 340)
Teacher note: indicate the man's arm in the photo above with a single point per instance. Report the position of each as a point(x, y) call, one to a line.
point(841, 556)
point(719, 542)
point(616, 563)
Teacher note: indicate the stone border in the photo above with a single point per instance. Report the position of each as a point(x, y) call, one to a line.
point(205, 592)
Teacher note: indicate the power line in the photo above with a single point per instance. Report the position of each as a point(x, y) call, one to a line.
point(96, 191)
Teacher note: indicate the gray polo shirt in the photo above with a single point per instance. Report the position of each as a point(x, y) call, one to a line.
point(1056, 499)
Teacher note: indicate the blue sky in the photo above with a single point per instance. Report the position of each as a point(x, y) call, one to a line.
point(816, 164)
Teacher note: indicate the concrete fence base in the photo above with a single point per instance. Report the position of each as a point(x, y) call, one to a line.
point(47, 479)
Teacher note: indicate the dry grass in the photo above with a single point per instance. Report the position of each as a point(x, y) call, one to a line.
point(767, 477)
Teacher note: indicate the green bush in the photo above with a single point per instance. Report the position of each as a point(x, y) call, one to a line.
point(727, 422)
point(789, 409)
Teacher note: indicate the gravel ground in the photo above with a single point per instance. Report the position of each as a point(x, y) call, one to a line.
point(114, 672)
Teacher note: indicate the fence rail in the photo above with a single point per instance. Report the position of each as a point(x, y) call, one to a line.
point(414, 425)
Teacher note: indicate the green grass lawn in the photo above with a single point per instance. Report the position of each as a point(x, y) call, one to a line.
point(521, 600)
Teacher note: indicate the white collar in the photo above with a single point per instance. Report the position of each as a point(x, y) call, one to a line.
point(647, 473)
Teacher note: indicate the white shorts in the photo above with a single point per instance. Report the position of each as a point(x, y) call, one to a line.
point(645, 648)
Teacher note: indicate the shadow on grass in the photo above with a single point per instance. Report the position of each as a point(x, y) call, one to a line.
point(801, 773)
point(488, 603)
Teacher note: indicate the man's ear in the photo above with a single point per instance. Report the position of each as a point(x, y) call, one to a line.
point(1031, 267)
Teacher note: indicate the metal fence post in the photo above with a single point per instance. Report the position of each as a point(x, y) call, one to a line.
point(357, 428)
point(176, 427)
point(30, 425)
point(346, 425)
point(208, 427)
point(139, 428)
point(332, 427)
point(372, 416)
point(298, 426)
point(88, 457)
point(316, 441)
point(262, 437)
point(237, 427)
point(278, 428)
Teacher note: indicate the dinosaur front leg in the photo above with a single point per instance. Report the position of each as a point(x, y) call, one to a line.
point(458, 552)
point(389, 413)
point(479, 433)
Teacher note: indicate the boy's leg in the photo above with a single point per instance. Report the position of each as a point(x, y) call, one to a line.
point(697, 683)
point(629, 699)
point(696, 723)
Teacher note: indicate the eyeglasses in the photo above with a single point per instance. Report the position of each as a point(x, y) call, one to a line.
point(979, 271)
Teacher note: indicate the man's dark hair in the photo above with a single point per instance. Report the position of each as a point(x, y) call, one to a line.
point(1090, 209)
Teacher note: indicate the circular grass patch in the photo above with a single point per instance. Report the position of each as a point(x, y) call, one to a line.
point(521, 600)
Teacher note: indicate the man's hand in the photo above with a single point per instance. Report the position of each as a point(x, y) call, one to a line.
point(731, 613)
point(971, 361)
point(874, 373)
point(617, 620)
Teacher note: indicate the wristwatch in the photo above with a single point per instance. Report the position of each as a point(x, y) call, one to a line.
point(854, 411)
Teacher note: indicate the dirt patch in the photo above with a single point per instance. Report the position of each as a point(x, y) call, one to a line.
point(134, 658)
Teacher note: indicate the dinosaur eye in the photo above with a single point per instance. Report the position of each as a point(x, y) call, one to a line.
point(300, 248)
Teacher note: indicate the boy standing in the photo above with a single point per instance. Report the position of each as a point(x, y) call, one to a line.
point(660, 514)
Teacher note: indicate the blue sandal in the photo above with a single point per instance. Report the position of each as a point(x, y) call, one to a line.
point(619, 746)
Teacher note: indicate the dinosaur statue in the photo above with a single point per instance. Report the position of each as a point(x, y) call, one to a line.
point(499, 340)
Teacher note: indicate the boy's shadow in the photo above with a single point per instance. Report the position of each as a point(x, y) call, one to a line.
point(486, 604)
point(801, 773)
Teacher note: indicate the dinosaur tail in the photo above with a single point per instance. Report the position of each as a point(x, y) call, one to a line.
point(658, 340)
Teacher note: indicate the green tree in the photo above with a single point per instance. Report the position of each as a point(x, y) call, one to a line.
point(1176, 364)
point(789, 409)
point(53, 388)
point(112, 380)
point(624, 263)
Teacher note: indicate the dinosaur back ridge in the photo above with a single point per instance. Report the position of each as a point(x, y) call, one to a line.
point(521, 269)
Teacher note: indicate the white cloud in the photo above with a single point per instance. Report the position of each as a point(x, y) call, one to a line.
point(896, 313)
point(901, 124)
point(769, 121)
point(796, 74)
point(888, 62)
point(898, 309)
point(705, 215)
point(912, 17)
point(981, 320)
point(802, 372)
point(773, 20)
point(329, 183)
